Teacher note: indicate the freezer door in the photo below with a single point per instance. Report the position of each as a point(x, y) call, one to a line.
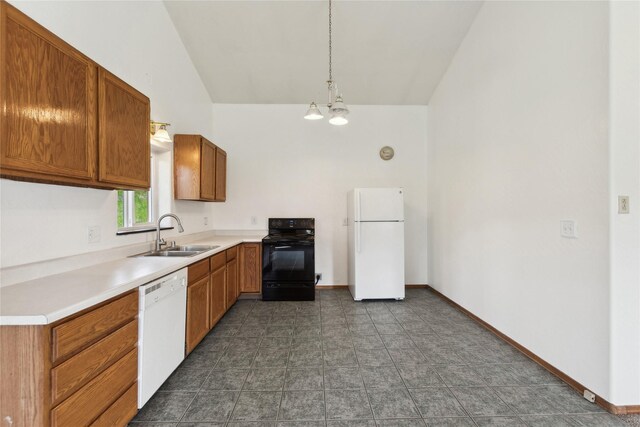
point(378, 204)
point(379, 260)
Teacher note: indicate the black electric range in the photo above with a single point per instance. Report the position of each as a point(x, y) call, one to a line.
point(288, 260)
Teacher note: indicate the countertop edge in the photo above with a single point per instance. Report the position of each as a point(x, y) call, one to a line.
point(36, 319)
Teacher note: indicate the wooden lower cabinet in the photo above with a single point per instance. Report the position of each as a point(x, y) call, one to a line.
point(197, 312)
point(69, 376)
point(236, 270)
point(94, 398)
point(232, 282)
point(217, 300)
point(122, 410)
point(72, 374)
point(250, 267)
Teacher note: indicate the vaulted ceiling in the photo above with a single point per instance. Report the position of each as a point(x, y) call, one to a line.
point(276, 52)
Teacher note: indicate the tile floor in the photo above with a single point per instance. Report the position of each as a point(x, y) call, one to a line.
point(337, 363)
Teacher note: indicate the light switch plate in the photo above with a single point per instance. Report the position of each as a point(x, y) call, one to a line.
point(623, 204)
point(568, 229)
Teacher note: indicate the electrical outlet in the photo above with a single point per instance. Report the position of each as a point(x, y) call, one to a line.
point(623, 204)
point(206, 220)
point(589, 395)
point(254, 220)
point(318, 277)
point(93, 234)
point(568, 229)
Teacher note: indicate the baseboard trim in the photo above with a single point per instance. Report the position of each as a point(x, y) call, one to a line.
point(608, 406)
point(623, 410)
point(407, 286)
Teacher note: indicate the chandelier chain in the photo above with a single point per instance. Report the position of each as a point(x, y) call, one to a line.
point(330, 76)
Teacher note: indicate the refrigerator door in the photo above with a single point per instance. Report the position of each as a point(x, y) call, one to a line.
point(378, 204)
point(378, 260)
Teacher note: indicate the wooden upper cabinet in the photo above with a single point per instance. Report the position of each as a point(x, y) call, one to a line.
point(221, 175)
point(48, 89)
point(123, 133)
point(64, 119)
point(197, 169)
point(208, 172)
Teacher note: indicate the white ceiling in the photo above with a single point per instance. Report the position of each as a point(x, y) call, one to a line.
point(276, 52)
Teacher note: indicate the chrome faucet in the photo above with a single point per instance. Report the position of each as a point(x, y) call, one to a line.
point(159, 241)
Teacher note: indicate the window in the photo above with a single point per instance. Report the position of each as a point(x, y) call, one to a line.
point(135, 208)
point(138, 209)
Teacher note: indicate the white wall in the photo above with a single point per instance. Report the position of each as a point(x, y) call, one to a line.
point(136, 40)
point(624, 164)
point(281, 165)
point(517, 142)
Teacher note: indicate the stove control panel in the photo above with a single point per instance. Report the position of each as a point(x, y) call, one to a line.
point(291, 223)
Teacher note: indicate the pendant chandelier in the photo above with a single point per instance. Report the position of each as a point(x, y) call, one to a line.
point(337, 109)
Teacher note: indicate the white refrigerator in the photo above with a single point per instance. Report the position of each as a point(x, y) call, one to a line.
point(376, 243)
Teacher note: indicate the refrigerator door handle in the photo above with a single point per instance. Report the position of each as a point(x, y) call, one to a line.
point(358, 208)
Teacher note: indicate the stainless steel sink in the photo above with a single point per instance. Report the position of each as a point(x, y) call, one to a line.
point(179, 251)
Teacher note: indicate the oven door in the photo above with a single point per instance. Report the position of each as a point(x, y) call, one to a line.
point(288, 262)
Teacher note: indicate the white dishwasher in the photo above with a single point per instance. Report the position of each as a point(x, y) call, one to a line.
point(161, 329)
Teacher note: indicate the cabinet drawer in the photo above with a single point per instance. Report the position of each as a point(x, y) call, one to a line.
point(218, 260)
point(122, 410)
point(75, 372)
point(232, 253)
point(198, 270)
point(81, 331)
point(93, 399)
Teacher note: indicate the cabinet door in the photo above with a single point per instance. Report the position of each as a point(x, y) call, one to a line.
point(232, 282)
point(186, 166)
point(221, 175)
point(217, 302)
point(123, 133)
point(197, 312)
point(250, 267)
point(208, 171)
point(48, 94)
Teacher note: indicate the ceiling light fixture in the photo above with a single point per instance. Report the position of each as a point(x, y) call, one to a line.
point(159, 131)
point(337, 109)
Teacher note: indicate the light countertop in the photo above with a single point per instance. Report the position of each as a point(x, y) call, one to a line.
point(48, 299)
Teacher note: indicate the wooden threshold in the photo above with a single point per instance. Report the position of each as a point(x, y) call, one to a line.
point(608, 406)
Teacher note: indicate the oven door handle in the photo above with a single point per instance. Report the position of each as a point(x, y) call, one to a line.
point(281, 247)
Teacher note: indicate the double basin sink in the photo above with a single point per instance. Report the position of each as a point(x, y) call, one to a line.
point(179, 251)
